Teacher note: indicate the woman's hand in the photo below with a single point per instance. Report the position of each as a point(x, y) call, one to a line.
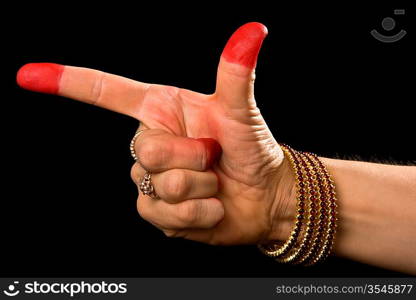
point(239, 196)
point(246, 194)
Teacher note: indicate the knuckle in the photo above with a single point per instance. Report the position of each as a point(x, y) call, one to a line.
point(176, 184)
point(151, 154)
point(143, 210)
point(134, 174)
point(171, 233)
point(97, 88)
point(189, 213)
point(172, 92)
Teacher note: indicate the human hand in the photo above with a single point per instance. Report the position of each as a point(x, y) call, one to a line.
point(239, 196)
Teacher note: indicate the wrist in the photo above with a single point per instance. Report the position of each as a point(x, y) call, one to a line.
point(312, 237)
point(283, 208)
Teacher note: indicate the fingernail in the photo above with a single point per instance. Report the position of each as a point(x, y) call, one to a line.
point(244, 45)
point(40, 77)
point(214, 150)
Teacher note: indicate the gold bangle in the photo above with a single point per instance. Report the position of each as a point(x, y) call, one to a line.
point(309, 230)
point(332, 215)
point(321, 218)
point(277, 249)
point(310, 241)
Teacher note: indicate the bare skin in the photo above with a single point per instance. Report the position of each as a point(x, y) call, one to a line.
point(246, 196)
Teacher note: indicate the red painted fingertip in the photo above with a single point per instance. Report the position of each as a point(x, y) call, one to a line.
point(40, 77)
point(214, 150)
point(244, 45)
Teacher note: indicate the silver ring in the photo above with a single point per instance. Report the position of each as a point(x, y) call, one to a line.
point(133, 141)
point(146, 186)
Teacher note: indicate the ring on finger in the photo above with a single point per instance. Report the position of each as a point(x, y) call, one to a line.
point(132, 143)
point(146, 186)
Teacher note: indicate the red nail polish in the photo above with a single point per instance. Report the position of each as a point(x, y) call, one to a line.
point(40, 77)
point(214, 150)
point(244, 45)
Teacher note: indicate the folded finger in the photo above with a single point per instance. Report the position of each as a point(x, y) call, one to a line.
point(158, 151)
point(194, 213)
point(177, 185)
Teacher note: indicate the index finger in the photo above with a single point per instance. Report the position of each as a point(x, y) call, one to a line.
point(95, 87)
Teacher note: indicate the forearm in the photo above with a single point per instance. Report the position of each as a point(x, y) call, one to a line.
point(377, 213)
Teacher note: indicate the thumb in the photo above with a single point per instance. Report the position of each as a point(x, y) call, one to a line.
point(235, 77)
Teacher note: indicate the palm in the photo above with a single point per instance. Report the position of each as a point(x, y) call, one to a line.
point(246, 143)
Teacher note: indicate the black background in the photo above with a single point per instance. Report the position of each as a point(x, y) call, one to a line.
point(67, 202)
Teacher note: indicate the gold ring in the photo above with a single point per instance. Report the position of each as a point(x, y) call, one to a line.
point(133, 141)
point(146, 186)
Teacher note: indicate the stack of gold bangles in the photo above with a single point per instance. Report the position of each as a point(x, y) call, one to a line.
point(312, 236)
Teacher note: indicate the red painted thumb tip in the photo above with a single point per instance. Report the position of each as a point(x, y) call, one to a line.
point(214, 150)
point(40, 77)
point(244, 45)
